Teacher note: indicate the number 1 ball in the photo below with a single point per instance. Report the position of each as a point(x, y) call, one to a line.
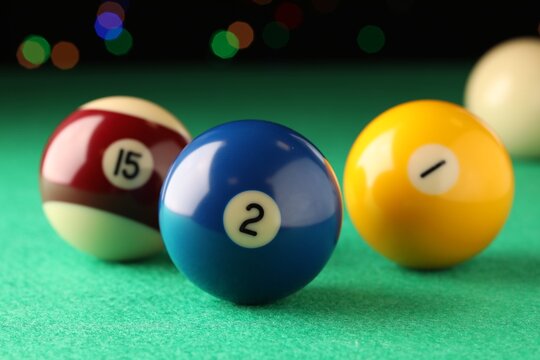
point(250, 211)
point(428, 185)
point(101, 174)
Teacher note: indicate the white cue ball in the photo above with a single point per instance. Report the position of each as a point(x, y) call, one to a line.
point(503, 89)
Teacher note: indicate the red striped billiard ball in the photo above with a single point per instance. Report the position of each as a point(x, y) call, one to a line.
point(101, 174)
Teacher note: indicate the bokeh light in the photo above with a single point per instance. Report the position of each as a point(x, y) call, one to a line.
point(105, 33)
point(112, 7)
point(22, 61)
point(36, 49)
point(109, 26)
point(262, 2)
point(289, 14)
point(275, 35)
point(65, 55)
point(244, 33)
point(109, 20)
point(224, 44)
point(371, 39)
point(121, 45)
point(325, 6)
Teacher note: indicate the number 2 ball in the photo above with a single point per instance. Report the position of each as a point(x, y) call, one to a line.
point(250, 211)
point(428, 185)
point(101, 173)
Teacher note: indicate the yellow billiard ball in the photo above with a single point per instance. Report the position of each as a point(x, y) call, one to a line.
point(428, 185)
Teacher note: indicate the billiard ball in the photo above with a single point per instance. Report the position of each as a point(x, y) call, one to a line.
point(101, 174)
point(250, 211)
point(503, 89)
point(428, 185)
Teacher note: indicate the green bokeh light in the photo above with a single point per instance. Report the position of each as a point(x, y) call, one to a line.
point(275, 35)
point(121, 45)
point(371, 39)
point(36, 50)
point(224, 44)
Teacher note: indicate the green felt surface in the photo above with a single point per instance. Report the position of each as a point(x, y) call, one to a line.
point(58, 303)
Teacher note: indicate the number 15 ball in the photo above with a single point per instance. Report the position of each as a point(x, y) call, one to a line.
point(250, 211)
point(101, 174)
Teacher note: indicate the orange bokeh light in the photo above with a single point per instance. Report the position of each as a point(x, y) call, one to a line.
point(112, 7)
point(244, 33)
point(22, 61)
point(65, 55)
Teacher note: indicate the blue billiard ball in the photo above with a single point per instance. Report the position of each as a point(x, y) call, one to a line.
point(250, 211)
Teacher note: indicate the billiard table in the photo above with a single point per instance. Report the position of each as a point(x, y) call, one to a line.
point(56, 302)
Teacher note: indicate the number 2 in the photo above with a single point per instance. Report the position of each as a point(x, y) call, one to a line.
point(259, 217)
point(130, 160)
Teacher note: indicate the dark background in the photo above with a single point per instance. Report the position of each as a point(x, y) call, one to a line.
point(414, 29)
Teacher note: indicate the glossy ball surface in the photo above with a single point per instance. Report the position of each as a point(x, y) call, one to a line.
point(250, 212)
point(101, 174)
point(503, 89)
point(428, 185)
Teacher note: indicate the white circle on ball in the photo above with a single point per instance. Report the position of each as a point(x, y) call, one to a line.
point(127, 164)
point(433, 169)
point(252, 219)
